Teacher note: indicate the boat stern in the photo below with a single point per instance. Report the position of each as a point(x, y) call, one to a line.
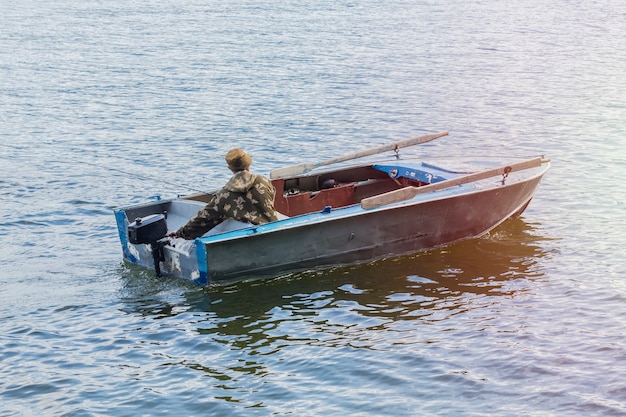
point(144, 243)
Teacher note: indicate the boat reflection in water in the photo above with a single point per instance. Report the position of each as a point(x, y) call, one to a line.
point(501, 263)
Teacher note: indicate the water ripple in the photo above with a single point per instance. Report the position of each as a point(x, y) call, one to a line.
point(104, 106)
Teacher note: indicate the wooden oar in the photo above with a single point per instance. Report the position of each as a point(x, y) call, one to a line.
point(304, 168)
point(407, 193)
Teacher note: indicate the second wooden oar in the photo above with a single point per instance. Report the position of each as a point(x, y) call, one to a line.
point(407, 193)
point(304, 168)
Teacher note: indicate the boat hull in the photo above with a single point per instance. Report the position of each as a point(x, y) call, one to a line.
point(370, 235)
point(330, 237)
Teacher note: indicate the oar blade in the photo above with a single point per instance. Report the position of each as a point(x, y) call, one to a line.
point(291, 171)
point(304, 168)
point(390, 197)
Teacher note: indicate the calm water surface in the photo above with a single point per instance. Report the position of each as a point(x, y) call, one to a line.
point(112, 103)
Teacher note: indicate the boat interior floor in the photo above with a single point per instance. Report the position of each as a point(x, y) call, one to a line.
point(306, 194)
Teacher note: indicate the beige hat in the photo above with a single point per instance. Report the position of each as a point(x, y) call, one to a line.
point(238, 160)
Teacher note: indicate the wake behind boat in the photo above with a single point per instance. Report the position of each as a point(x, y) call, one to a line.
point(337, 212)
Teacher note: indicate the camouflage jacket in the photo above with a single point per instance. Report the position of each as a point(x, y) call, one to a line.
point(246, 197)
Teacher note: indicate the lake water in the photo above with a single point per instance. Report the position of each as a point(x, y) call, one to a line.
point(108, 103)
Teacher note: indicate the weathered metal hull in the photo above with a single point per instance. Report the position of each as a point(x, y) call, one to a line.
point(392, 231)
point(335, 236)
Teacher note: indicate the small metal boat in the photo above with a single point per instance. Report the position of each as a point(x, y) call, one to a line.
point(337, 213)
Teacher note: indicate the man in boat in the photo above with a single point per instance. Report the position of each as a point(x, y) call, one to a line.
point(246, 197)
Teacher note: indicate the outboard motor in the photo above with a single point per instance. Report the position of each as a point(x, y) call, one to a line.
point(150, 230)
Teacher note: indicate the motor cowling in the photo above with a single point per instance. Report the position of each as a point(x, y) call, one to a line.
point(150, 230)
point(147, 229)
